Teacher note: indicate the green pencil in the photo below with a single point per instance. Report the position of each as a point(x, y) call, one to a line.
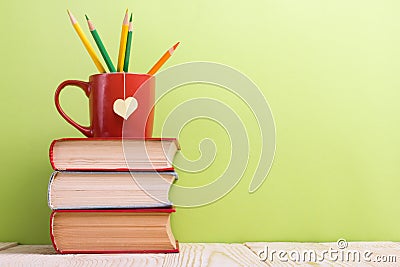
point(128, 45)
point(100, 45)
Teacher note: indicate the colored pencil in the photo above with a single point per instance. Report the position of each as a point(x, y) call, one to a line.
point(86, 43)
point(128, 45)
point(122, 42)
point(100, 45)
point(162, 60)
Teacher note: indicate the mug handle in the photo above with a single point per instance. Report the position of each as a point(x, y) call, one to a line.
point(85, 87)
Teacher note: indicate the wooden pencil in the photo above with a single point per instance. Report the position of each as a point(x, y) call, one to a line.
point(128, 45)
point(122, 42)
point(100, 45)
point(86, 43)
point(162, 60)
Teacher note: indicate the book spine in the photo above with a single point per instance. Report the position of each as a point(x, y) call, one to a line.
point(53, 241)
point(51, 151)
point(49, 189)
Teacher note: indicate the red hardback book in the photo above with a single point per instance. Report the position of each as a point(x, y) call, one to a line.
point(112, 231)
point(113, 154)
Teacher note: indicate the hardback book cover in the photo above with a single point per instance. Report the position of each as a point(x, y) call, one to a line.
point(112, 231)
point(117, 190)
point(113, 154)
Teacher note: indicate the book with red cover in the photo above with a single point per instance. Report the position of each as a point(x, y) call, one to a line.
point(113, 154)
point(112, 231)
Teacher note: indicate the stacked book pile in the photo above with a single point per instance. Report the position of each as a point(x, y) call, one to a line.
point(111, 195)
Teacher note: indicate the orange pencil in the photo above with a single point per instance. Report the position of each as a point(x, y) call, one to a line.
point(162, 60)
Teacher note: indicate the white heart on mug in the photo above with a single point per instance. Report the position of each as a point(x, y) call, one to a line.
point(125, 108)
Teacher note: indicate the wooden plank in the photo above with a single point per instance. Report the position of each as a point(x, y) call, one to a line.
point(31, 249)
point(211, 254)
point(377, 249)
point(44, 255)
point(6, 245)
point(200, 254)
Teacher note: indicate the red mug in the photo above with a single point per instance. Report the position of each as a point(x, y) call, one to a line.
point(114, 99)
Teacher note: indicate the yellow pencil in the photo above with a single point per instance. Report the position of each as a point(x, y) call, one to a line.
point(122, 43)
point(86, 43)
point(162, 60)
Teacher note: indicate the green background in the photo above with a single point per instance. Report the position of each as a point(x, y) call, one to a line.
point(329, 70)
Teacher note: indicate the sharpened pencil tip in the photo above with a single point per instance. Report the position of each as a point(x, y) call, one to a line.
point(130, 29)
point(71, 17)
point(126, 18)
point(176, 45)
point(90, 24)
point(130, 20)
point(126, 11)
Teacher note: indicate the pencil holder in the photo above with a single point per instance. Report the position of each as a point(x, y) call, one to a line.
point(115, 99)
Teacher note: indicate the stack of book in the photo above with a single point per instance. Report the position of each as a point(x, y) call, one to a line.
point(111, 195)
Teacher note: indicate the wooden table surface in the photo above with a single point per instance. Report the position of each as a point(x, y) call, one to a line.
point(213, 254)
